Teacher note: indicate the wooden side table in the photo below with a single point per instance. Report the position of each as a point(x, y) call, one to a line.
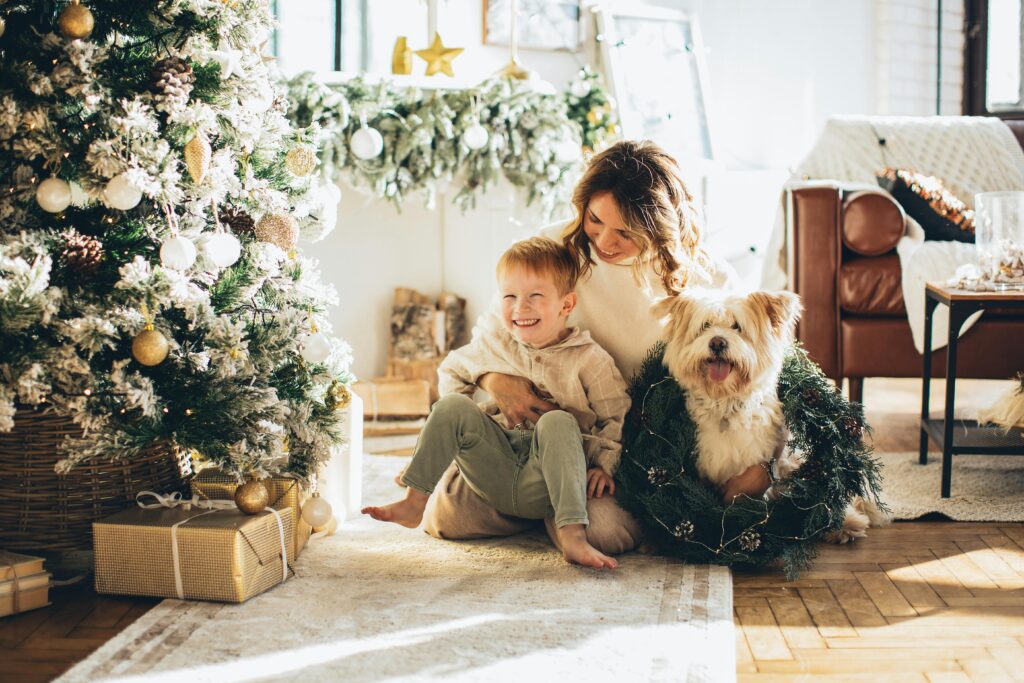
point(968, 438)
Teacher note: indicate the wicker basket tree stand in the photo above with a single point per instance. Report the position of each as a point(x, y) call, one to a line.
point(41, 510)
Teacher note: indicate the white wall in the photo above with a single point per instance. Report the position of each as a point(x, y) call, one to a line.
point(777, 71)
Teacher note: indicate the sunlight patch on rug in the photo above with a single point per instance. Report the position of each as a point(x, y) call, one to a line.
point(377, 601)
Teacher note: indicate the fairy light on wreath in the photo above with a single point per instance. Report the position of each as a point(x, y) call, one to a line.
point(658, 481)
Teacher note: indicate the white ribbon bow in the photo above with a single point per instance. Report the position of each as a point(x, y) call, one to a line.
point(174, 500)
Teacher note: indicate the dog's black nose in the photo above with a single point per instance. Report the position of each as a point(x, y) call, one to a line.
point(718, 345)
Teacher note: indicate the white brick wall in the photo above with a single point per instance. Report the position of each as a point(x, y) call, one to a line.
point(905, 58)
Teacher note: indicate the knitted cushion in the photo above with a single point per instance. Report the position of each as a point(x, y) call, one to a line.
point(941, 214)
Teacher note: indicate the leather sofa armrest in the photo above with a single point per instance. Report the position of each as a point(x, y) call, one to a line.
point(814, 212)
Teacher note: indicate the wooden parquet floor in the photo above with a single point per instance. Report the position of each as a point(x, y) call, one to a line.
point(916, 601)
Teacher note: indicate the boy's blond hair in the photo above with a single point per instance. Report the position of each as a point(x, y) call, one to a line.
point(544, 256)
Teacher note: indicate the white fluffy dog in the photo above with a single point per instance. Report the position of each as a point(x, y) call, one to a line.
point(726, 351)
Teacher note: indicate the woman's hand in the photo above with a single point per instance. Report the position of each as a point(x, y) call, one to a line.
point(751, 482)
point(599, 481)
point(516, 398)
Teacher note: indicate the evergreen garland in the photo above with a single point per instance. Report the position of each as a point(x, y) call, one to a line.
point(534, 138)
point(685, 517)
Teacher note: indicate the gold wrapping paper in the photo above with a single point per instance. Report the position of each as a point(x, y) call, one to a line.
point(213, 484)
point(224, 555)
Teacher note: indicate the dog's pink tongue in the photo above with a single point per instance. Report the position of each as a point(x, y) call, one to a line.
point(718, 370)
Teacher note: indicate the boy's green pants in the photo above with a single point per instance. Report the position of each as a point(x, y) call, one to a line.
point(522, 472)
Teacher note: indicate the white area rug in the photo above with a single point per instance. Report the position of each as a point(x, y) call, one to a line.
point(985, 488)
point(378, 602)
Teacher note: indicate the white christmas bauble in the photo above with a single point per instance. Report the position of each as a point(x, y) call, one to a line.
point(316, 511)
point(567, 151)
point(316, 347)
point(53, 195)
point(178, 253)
point(367, 143)
point(580, 88)
point(121, 193)
point(222, 249)
point(475, 136)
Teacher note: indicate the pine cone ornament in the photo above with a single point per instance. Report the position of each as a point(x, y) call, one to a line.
point(82, 254)
point(750, 540)
point(172, 83)
point(853, 428)
point(684, 530)
point(658, 476)
point(239, 221)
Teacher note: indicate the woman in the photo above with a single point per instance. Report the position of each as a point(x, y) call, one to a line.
point(636, 239)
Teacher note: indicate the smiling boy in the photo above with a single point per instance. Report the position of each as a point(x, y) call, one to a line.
point(527, 470)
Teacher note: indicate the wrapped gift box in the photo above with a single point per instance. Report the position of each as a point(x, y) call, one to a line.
point(212, 484)
point(23, 583)
point(223, 555)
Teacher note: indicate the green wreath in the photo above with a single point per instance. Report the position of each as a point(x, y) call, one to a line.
point(686, 518)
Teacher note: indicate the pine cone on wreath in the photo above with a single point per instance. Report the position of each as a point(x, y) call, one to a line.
point(239, 221)
point(852, 427)
point(82, 253)
point(172, 83)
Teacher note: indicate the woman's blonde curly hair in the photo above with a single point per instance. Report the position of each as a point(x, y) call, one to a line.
point(655, 205)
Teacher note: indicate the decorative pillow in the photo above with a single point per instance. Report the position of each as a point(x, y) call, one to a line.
point(940, 213)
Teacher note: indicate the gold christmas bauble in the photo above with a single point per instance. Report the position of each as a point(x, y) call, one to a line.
point(75, 21)
point(252, 497)
point(341, 395)
point(197, 157)
point(149, 347)
point(300, 160)
point(278, 228)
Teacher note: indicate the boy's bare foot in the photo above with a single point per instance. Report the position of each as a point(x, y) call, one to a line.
point(573, 540)
point(407, 512)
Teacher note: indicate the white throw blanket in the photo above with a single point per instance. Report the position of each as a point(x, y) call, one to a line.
point(969, 154)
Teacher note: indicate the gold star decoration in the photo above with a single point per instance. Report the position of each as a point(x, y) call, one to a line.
point(438, 57)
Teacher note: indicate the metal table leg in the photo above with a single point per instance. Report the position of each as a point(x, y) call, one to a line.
point(958, 313)
point(926, 375)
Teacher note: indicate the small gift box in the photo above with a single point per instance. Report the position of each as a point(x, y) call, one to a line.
point(213, 484)
point(23, 583)
point(200, 550)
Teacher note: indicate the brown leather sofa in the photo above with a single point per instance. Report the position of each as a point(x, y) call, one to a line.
point(845, 267)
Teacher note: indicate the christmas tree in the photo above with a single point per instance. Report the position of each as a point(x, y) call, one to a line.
point(151, 198)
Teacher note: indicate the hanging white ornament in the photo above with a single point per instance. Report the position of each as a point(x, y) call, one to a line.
point(53, 195)
point(121, 193)
point(316, 347)
point(316, 511)
point(579, 88)
point(367, 143)
point(567, 152)
point(222, 249)
point(178, 253)
point(475, 136)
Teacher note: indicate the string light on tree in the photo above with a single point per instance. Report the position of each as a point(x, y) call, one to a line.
point(53, 195)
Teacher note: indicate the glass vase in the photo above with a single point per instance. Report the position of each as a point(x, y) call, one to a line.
point(999, 234)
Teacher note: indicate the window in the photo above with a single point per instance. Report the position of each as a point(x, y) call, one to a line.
point(320, 35)
point(994, 58)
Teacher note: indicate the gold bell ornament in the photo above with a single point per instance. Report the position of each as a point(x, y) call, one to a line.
point(76, 21)
point(252, 497)
point(341, 396)
point(316, 511)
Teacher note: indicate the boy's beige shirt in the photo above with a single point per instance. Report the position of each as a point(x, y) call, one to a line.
point(580, 377)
